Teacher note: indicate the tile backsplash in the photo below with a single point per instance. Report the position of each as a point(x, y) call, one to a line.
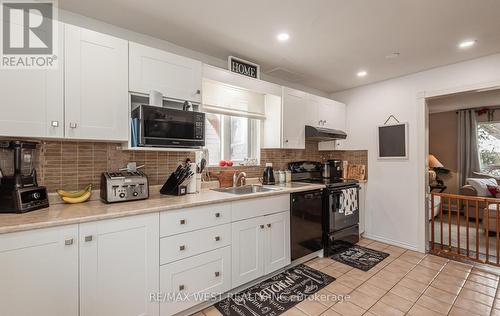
point(71, 165)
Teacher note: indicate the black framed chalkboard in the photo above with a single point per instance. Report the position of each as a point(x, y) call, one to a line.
point(393, 141)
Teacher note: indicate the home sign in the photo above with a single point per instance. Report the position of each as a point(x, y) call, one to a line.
point(243, 67)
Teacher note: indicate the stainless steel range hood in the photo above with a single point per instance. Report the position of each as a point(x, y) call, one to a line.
point(321, 134)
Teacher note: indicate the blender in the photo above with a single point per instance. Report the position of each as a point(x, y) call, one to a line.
point(19, 190)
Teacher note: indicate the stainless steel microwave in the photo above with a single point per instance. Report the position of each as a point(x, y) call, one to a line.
point(154, 126)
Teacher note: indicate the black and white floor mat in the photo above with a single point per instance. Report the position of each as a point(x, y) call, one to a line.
point(358, 257)
point(277, 294)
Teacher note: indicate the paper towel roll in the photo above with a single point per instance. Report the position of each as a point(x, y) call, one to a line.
point(155, 98)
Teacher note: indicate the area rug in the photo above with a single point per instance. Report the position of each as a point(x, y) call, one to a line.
point(277, 294)
point(358, 257)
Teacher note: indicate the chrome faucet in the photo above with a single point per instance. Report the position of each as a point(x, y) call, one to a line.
point(237, 177)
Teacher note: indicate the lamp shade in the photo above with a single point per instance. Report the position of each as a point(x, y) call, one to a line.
point(434, 163)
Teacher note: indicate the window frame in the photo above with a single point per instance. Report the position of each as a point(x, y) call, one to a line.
point(481, 169)
point(254, 135)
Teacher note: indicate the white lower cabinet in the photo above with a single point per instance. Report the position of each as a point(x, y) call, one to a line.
point(261, 245)
point(39, 272)
point(248, 250)
point(122, 267)
point(189, 244)
point(276, 242)
point(119, 266)
point(191, 281)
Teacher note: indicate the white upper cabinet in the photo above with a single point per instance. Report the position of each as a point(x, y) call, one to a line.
point(32, 100)
point(294, 118)
point(119, 266)
point(326, 113)
point(96, 87)
point(175, 76)
point(335, 114)
point(39, 272)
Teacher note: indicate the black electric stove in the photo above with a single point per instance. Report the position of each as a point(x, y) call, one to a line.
point(331, 183)
point(339, 220)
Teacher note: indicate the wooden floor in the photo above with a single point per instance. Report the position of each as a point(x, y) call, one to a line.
point(405, 283)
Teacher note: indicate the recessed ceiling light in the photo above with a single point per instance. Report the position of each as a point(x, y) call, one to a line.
point(283, 37)
point(361, 73)
point(467, 44)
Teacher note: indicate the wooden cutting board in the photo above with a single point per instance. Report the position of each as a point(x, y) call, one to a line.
point(357, 172)
point(225, 177)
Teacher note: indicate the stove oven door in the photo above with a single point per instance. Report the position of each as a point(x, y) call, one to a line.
point(338, 217)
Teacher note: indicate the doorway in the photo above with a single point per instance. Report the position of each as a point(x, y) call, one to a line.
point(463, 171)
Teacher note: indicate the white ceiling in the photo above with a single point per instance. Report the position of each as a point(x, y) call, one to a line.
point(330, 40)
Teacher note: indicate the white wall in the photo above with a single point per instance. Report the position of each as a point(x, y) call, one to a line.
point(92, 24)
point(394, 201)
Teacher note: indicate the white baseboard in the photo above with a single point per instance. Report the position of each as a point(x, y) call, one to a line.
point(390, 242)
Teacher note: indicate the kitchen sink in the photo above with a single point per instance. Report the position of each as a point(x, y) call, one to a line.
point(245, 189)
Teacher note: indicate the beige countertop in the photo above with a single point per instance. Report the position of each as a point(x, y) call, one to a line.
point(65, 214)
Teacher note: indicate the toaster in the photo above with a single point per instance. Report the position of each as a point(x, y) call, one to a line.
point(122, 186)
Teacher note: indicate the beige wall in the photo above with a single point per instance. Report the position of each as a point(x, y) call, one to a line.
point(443, 145)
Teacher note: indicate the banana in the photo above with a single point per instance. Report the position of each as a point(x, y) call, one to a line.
point(79, 199)
point(74, 194)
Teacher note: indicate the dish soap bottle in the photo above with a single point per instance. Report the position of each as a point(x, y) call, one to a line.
point(268, 176)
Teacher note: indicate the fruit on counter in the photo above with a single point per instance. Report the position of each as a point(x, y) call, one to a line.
point(76, 196)
point(79, 199)
point(224, 163)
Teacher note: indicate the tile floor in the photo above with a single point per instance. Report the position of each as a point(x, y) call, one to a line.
point(405, 283)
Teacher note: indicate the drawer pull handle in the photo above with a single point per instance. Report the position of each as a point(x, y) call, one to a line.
point(217, 274)
point(181, 287)
point(268, 225)
point(261, 226)
point(183, 247)
point(88, 238)
point(68, 241)
point(217, 214)
point(217, 238)
point(183, 221)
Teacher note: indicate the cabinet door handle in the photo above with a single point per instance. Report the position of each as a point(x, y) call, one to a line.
point(261, 226)
point(217, 274)
point(54, 123)
point(182, 248)
point(198, 91)
point(217, 214)
point(88, 238)
point(72, 125)
point(217, 238)
point(268, 225)
point(181, 287)
point(286, 140)
point(68, 241)
point(183, 222)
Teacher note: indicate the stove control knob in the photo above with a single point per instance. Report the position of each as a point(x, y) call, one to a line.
point(122, 195)
point(135, 193)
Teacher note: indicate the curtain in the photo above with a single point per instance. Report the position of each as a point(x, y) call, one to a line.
point(468, 157)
